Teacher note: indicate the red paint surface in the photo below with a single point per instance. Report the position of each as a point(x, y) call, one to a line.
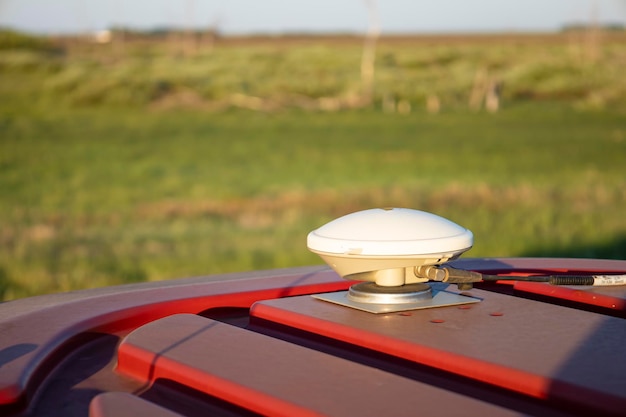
point(36, 334)
point(594, 296)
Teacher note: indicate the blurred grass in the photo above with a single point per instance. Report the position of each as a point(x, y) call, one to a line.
point(94, 194)
point(582, 69)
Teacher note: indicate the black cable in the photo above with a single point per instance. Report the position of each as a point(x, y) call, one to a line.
point(551, 279)
point(465, 278)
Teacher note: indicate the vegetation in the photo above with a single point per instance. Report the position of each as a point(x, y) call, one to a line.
point(584, 69)
point(135, 165)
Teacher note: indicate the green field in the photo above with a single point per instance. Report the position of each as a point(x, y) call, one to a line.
point(127, 186)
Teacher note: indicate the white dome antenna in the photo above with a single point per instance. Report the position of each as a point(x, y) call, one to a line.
point(389, 249)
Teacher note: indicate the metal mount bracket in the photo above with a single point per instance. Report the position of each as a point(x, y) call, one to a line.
point(374, 299)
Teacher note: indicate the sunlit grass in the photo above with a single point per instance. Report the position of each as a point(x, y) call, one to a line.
point(120, 167)
point(98, 197)
point(285, 74)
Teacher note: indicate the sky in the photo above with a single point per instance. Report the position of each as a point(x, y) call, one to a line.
point(287, 16)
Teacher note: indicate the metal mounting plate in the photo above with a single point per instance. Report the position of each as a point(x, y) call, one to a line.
point(440, 299)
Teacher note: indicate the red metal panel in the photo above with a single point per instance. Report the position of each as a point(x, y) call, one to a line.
point(273, 377)
point(613, 298)
point(555, 354)
point(119, 404)
point(537, 349)
point(35, 331)
point(610, 298)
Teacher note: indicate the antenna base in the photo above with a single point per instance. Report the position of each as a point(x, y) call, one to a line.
point(420, 297)
point(369, 292)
